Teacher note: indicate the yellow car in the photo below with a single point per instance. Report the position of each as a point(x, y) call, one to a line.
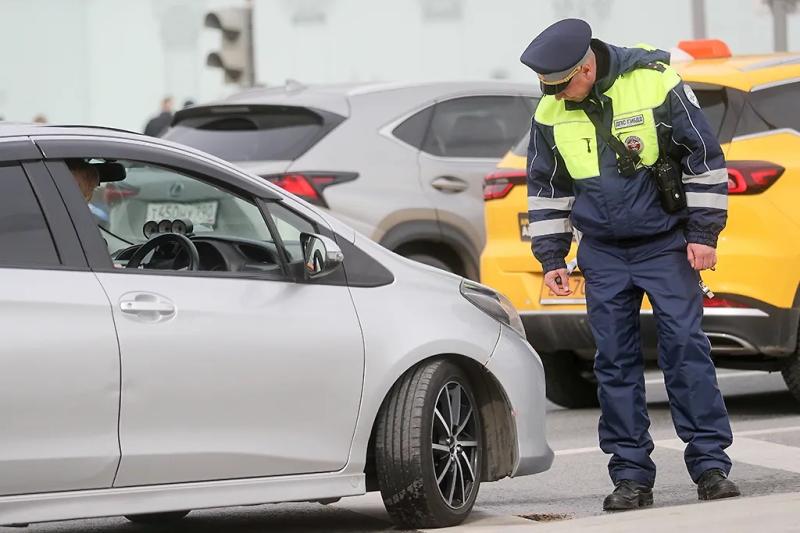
point(752, 322)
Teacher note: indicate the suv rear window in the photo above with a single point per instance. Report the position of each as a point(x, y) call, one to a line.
point(714, 103)
point(262, 133)
point(770, 109)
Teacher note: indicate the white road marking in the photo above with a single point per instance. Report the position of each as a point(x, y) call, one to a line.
point(751, 451)
point(660, 381)
point(755, 452)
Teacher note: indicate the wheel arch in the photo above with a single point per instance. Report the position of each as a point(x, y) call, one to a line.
point(499, 430)
point(429, 236)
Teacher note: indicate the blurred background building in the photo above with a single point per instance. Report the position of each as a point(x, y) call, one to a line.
point(110, 62)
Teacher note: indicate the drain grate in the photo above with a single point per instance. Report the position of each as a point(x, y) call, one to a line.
point(545, 517)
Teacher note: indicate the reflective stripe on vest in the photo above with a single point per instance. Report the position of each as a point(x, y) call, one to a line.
point(634, 95)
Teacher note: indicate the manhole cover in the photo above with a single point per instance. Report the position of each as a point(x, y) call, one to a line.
point(545, 517)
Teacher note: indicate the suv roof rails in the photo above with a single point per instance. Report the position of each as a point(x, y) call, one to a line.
point(109, 128)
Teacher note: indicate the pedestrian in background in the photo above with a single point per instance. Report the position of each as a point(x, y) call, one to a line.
point(621, 151)
point(158, 124)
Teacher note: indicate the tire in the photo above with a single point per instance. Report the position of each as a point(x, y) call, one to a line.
point(566, 382)
point(430, 261)
point(407, 460)
point(152, 519)
point(791, 375)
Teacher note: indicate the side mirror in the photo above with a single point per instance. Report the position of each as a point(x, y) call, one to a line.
point(321, 255)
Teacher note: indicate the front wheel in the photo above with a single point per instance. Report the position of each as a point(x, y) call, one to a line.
point(156, 518)
point(429, 447)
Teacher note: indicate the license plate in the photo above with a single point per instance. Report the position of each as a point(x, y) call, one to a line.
point(577, 296)
point(197, 212)
point(524, 227)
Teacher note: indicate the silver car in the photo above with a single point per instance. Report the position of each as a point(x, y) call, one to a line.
point(197, 337)
point(401, 163)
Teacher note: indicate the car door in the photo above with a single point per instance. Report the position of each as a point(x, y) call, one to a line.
point(224, 374)
point(465, 140)
point(59, 362)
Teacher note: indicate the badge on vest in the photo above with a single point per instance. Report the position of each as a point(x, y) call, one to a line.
point(634, 144)
point(627, 122)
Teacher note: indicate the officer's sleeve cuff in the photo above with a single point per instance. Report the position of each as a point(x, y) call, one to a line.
point(553, 264)
point(702, 237)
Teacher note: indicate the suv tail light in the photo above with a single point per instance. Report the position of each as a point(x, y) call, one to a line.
point(498, 184)
point(722, 302)
point(310, 185)
point(752, 177)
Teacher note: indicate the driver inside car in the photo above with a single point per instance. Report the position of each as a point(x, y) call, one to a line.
point(86, 175)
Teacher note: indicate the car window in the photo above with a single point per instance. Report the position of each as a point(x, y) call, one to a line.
point(154, 193)
point(714, 103)
point(477, 126)
point(412, 130)
point(290, 225)
point(770, 109)
point(266, 133)
point(24, 236)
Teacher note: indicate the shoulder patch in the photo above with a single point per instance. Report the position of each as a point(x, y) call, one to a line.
point(691, 96)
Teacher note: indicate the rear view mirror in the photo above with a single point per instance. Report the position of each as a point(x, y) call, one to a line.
point(321, 255)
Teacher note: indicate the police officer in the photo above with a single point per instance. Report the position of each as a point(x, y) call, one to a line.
point(608, 118)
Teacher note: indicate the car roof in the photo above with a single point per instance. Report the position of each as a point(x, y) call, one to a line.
point(335, 97)
point(743, 72)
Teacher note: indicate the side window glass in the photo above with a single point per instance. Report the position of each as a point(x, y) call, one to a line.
point(24, 236)
point(750, 122)
point(290, 225)
point(714, 104)
point(153, 193)
point(412, 130)
point(477, 126)
point(136, 202)
point(777, 106)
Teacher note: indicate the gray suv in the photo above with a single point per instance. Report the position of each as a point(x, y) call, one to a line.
point(402, 163)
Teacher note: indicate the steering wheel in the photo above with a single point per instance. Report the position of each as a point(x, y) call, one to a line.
point(175, 238)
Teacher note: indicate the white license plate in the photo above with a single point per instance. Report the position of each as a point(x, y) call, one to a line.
point(197, 212)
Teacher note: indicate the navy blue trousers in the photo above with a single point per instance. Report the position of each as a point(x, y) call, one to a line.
point(617, 277)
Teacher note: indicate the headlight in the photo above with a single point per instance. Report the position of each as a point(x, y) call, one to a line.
point(493, 304)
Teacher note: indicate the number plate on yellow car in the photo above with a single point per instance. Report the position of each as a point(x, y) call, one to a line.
point(577, 296)
point(524, 233)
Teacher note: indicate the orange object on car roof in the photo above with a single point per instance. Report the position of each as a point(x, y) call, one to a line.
point(705, 48)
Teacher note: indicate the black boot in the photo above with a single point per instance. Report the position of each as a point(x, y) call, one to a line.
point(628, 495)
point(714, 484)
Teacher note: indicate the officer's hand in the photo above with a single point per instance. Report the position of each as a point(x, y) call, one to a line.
point(701, 256)
point(551, 280)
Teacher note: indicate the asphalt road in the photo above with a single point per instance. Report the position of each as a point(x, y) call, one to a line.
point(766, 454)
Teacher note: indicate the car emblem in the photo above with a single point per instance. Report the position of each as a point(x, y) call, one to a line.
point(175, 190)
point(634, 144)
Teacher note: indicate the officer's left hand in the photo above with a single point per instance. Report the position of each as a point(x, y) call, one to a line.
point(701, 256)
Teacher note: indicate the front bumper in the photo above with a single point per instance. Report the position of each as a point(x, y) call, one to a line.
point(519, 371)
point(763, 331)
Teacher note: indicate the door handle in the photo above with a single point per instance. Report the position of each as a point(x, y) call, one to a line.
point(449, 184)
point(146, 306)
point(132, 306)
